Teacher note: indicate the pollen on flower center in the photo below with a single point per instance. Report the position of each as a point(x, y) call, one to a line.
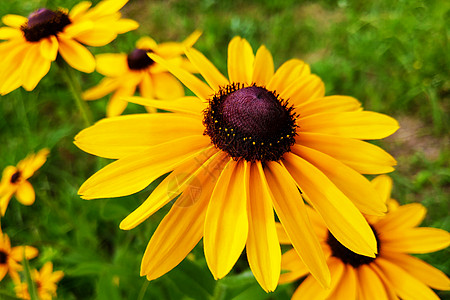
point(138, 59)
point(347, 256)
point(250, 123)
point(3, 258)
point(15, 177)
point(44, 23)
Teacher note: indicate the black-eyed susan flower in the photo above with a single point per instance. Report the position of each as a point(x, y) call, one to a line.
point(392, 274)
point(45, 280)
point(126, 72)
point(14, 180)
point(33, 43)
point(242, 148)
point(10, 258)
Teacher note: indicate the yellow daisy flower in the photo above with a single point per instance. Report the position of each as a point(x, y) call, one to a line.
point(125, 72)
point(10, 258)
point(14, 180)
point(34, 42)
point(45, 281)
point(392, 274)
point(243, 147)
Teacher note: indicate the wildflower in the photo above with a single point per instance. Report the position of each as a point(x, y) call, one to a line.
point(391, 274)
point(33, 43)
point(125, 72)
point(14, 180)
point(45, 281)
point(238, 150)
point(10, 258)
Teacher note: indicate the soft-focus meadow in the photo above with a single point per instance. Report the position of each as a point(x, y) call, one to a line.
point(394, 58)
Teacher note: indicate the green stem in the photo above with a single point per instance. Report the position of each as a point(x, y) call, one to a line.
point(143, 290)
point(75, 90)
point(30, 283)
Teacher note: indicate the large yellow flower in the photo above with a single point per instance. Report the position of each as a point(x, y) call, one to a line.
point(243, 147)
point(124, 73)
point(45, 281)
point(14, 180)
point(392, 274)
point(34, 42)
point(10, 258)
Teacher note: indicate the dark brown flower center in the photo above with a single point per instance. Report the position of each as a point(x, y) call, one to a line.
point(44, 23)
point(138, 59)
point(250, 123)
point(347, 256)
point(15, 177)
point(3, 258)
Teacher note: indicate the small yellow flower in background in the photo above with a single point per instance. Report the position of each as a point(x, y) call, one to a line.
point(242, 148)
point(392, 274)
point(34, 42)
point(14, 180)
point(45, 281)
point(124, 73)
point(11, 258)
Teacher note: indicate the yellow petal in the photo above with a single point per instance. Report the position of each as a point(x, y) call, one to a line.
point(291, 211)
point(180, 230)
point(282, 236)
point(383, 186)
point(304, 90)
point(240, 61)
point(7, 33)
point(287, 73)
point(263, 249)
point(146, 43)
point(49, 47)
point(133, 173)
point(187, 105)
point(146, 86)
point(76, 55)
point(198, 87)
point(346, 289)
point(409, 215)
point(328, 104)
point(343, 219)
point(366, 125)
point(226, 223)
point(290, 261)
point(361, 156)
point(116, 104)
point(5, 197)
point(420, 270)
point(25, 193)
point(34, 67)
point(184, 176)
point(125, 135)
point(125, 25)
point(17, 253)
point(112, 64)
point(167, 86)
point(12, 54)
point(405, 285)
point(213, 77)
point(14, 21)
point(106, 86)
point(355, 186)
point(79, 9)
point(96, 37)
point(263, 67)
point(370, 284)
point(416, 240)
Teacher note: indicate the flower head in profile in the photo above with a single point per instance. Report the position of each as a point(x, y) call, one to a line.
point(33, 43)
point(127, 72)
point(392, 274)
point(45, 280)
point(14, 180)
point(240, 149)
point(11, 258)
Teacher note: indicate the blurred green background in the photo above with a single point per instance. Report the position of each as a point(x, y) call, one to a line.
point(392, 57)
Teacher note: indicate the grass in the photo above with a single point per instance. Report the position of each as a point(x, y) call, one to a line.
point(393, 58)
